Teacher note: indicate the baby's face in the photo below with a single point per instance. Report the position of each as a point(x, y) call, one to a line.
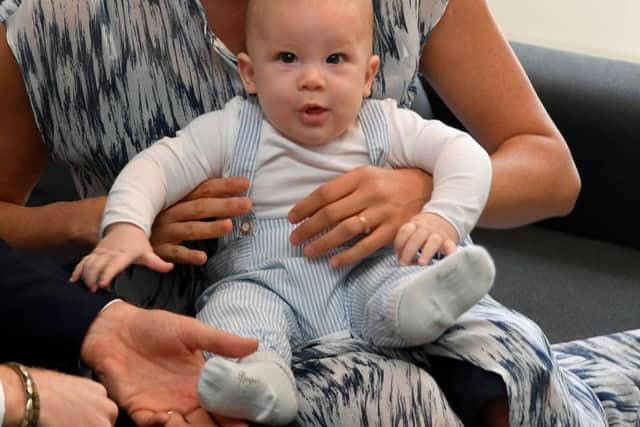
point(310, 65)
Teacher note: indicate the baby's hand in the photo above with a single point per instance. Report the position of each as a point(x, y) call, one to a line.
point(123, 244)
point(428, 233)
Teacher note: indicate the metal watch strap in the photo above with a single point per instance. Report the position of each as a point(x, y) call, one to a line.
point(32, 402)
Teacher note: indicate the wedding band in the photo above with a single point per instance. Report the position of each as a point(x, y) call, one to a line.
point(172, 413)
point(367, 228)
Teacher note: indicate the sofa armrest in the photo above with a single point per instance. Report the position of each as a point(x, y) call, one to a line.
point(595, 103)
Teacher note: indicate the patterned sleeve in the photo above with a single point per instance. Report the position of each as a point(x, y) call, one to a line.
point(402, 28)
point(430, 13)
point(7, 7)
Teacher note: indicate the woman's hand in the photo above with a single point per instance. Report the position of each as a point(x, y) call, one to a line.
point(366, 199)
point(190, 219)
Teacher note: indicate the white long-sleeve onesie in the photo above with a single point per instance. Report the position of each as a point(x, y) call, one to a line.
point(286, 171)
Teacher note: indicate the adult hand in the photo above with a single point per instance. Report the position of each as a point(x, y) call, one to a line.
point(65, 400)
point(150, 361)
point(385, 198)
point(189, 219)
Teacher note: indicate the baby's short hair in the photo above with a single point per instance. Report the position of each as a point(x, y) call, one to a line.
point(253, 14)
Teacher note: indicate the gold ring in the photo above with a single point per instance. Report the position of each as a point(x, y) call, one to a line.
point(367, 228)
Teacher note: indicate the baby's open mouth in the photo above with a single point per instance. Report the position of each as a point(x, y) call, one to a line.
point(314, 110)
point(314, 115)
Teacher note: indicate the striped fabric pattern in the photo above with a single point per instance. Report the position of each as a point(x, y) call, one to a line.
point(7, 7)
point(590, 382)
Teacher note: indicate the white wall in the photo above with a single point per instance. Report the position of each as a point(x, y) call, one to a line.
point(609, 28)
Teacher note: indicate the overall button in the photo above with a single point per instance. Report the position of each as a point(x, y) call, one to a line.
point(245, 226)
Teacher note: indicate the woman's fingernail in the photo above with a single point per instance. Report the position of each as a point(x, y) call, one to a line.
point(244, 203)
point(293, 218)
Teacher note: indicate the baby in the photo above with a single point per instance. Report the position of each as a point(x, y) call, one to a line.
point(308, 70)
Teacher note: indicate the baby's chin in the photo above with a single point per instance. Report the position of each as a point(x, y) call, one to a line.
point(317, 135)
point(314, 137)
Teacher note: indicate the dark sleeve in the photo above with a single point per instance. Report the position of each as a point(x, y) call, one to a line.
point(43, 317)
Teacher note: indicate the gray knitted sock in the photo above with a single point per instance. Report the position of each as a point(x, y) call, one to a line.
point(433, 300)
point(259, 388)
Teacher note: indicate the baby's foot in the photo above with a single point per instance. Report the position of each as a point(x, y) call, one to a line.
point(434, 299)
point(257, 388)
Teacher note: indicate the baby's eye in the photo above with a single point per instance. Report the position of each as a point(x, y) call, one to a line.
point(287, 57)
point(335, 58)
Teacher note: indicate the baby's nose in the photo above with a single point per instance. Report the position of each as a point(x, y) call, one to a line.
point(311, 78)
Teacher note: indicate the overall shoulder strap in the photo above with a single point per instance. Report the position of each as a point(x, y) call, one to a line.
point(376, 131)
point(243, 161)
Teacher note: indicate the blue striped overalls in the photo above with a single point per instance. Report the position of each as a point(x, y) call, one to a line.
point(268, 289)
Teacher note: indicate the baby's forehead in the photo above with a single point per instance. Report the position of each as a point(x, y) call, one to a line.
point(275, 19)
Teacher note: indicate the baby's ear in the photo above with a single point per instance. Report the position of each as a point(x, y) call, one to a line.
point(372, 70)
point(247, 73)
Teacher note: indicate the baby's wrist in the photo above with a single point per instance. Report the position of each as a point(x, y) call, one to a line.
point(123, 227)
point(424, 215)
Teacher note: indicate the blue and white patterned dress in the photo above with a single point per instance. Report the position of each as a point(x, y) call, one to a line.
point(106, 78)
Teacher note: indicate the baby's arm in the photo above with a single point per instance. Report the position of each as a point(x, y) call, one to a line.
point(153, 180)
point(123, 244)
point(461, 171)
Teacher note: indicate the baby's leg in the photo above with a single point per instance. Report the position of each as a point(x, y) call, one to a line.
point(261, 386)
point(404, 312)
point(431, 301)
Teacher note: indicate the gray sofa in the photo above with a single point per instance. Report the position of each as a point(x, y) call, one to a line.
point(577, 276)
